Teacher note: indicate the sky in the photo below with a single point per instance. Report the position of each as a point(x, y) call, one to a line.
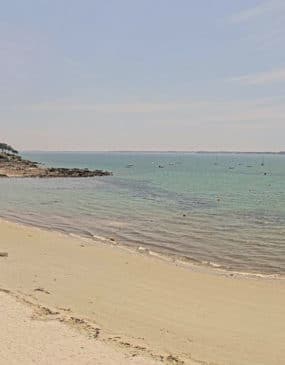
point(142, 75)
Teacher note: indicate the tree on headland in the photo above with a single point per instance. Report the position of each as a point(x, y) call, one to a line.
point(5, 148)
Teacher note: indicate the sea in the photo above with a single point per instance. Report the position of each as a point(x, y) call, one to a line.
point(226, 211)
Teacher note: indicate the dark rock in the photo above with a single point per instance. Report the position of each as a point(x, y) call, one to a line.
point(74, 172)
point(11, 165)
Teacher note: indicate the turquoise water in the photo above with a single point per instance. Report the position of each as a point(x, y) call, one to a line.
point(216, 209)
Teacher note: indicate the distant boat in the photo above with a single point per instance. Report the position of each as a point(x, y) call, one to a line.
point(129, 165)
point(160, 167)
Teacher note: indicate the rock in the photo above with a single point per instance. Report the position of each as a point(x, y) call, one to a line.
point(18, 167)
point(3, 254)
point(75, 172)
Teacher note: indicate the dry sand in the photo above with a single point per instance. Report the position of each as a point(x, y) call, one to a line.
point(44, 341)
point(125, 307)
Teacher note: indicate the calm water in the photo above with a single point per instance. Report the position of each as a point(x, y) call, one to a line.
point(216, 209)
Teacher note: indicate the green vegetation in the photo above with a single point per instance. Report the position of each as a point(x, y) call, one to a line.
point(5, 148)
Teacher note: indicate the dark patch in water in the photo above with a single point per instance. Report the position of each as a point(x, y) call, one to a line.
point(147, 191)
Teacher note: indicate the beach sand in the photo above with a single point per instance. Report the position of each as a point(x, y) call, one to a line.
point(28, 336)
point(125, 307)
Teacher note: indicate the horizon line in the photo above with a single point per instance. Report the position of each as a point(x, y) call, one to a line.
point(157, 151)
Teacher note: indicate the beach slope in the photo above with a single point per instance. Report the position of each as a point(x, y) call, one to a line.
point(139, 306)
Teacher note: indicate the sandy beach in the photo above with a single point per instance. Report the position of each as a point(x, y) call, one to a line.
point(69, 301)
point(28, 336)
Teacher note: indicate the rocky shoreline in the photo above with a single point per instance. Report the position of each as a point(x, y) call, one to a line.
point(15, 166)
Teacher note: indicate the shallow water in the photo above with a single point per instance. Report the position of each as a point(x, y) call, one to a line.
point(211, 208)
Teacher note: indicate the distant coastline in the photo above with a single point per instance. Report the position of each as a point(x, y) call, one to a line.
point(169, 151)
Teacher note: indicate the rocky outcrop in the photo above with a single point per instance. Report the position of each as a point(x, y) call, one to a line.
point(75, 172)
point(15, 166)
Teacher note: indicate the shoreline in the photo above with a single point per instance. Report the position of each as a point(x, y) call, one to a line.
point(145, 306)
point(190, 263)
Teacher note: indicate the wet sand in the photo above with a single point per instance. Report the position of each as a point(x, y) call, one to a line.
point(136, 305)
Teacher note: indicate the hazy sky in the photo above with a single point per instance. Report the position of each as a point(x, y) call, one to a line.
point(142, 74)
